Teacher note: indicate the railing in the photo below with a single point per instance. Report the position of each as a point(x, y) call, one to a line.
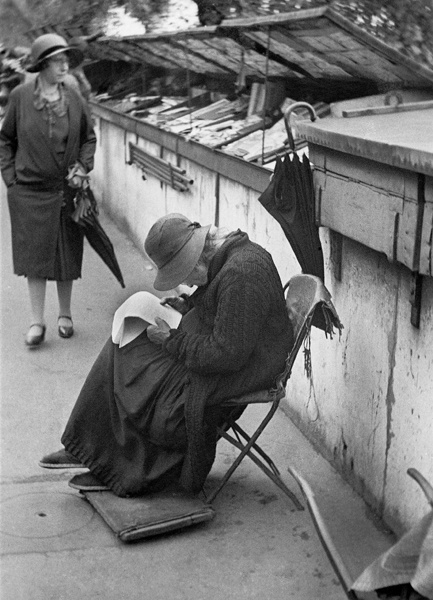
point(160, 168)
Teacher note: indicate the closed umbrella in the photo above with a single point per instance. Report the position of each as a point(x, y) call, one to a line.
point(85, 215)
point(289, 198)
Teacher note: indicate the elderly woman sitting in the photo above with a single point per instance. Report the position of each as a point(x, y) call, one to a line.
point(146, 416)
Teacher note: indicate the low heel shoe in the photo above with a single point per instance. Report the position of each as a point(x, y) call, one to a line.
point(61, 459)
point(66, 331)
point(35, 340)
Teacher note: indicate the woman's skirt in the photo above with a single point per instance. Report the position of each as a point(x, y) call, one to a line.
point(46, 242)
point(128, 423)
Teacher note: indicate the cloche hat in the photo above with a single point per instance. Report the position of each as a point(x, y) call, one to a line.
point(48, 45)
point(174, 244)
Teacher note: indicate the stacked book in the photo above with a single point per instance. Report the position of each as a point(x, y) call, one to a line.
point(265, 145)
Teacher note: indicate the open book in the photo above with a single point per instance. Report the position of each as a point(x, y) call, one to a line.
point(136, 313)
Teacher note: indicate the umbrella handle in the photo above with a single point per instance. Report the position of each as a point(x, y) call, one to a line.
point(287, 113)
point(424, 484)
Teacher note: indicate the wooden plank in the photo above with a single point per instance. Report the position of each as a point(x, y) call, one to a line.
point(231, 52)
point(382, 110)
point(201, 51)
point(359, 213)
point(294, 17)
point(311, 53)
point(163, 54)
point(329, 69)
point(323, 29)
point(426, 242)
point(144, 54)
point(407, 238)
point(382, 70)
point(184, 59)
point(281, 47)
point(289, 38)
point(369, 202)
point(383, 178)
point(346, 41)
point(322, 43)
point(349, 62)
point(256, 63)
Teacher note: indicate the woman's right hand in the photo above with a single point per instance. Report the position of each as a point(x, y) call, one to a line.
point(158, 333)
point(77, 177)
point(175, 302)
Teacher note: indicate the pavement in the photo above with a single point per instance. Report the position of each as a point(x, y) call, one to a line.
point(54, 546)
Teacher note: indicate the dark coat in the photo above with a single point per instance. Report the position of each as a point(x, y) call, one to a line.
point(240, 345)
point(244, 332)
point(146, 414)
point(45, 242)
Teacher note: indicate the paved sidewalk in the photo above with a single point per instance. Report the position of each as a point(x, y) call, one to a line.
point(55, 547)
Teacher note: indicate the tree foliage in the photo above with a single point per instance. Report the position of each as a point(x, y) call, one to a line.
point(406, 25)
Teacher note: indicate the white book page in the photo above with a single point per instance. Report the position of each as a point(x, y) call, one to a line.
point(136, 313)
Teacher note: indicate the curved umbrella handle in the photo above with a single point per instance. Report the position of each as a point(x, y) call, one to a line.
point(287, 113)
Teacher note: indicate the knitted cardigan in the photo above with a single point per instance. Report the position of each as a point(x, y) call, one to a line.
point(240, 346)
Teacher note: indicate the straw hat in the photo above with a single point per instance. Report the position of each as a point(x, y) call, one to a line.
point(48, 45)
point(174, 244)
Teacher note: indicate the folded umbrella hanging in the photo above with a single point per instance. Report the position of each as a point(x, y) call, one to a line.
point(85, 215)
point(289, 198)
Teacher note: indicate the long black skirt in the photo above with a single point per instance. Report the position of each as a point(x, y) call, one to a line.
point(128, 423)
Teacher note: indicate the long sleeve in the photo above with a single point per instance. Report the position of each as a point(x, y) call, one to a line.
point(8, 143)
point(242, 306)
point(87, 140)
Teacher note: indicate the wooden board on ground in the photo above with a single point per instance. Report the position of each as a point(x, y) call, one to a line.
point(136, 518)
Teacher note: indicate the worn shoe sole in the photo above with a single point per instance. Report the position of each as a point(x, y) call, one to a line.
point(45, 465)
point(86, 482)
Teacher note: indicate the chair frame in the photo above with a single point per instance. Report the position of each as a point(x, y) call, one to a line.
point(248, 444)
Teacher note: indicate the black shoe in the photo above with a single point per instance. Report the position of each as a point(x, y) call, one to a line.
point(66, 331)
point(86, 482)
point(62, 459)
point(33, 341)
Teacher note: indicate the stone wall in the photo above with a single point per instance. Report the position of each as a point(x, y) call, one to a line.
point(369, 406)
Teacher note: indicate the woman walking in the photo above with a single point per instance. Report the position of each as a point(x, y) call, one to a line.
point(47, 144)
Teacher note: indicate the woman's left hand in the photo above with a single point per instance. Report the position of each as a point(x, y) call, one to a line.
point(158, 333)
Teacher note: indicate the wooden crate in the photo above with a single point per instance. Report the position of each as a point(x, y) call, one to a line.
point(372, 203)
